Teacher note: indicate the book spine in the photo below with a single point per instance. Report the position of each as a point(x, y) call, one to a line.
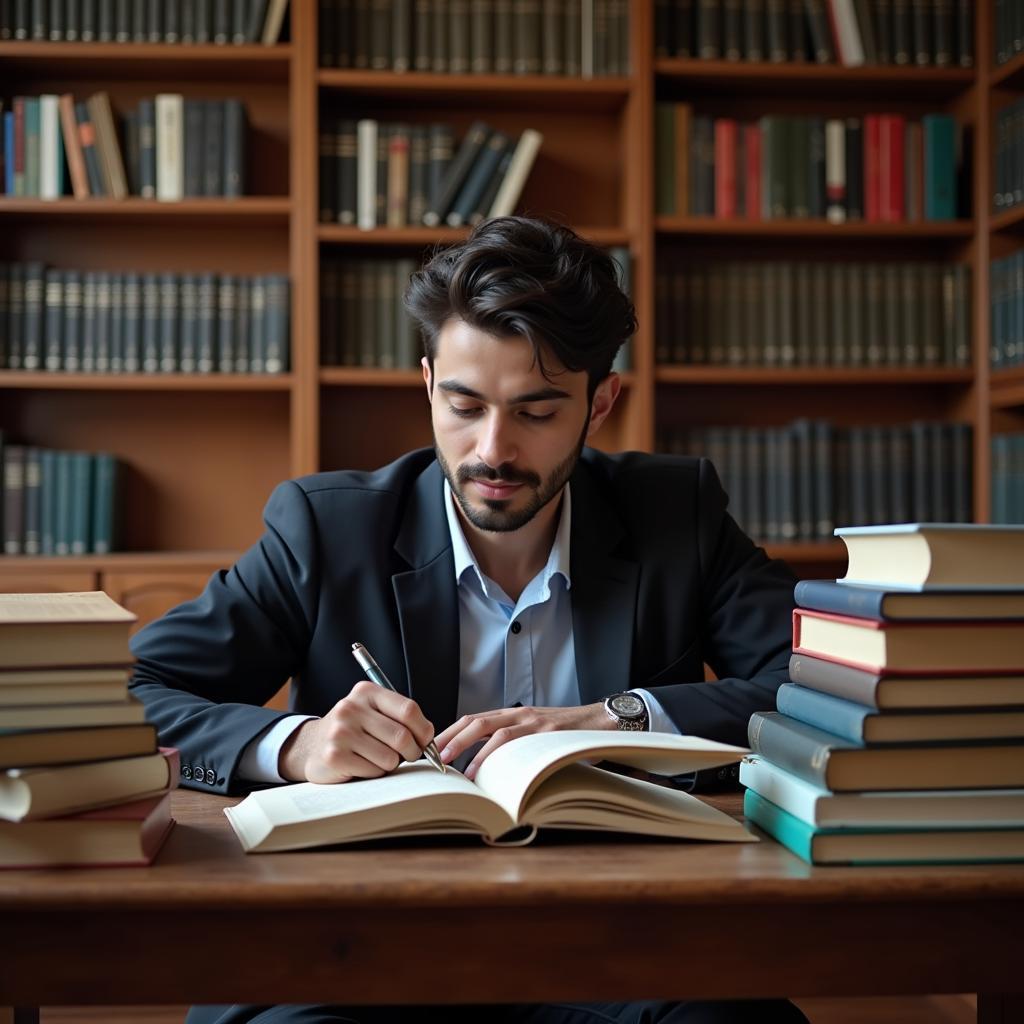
point(792, 751)
point(833, 678)
point(795, 835)
point(14, 499)
point(839, 717)
point(81, 502)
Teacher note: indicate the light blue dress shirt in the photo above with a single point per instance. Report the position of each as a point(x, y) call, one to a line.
point(510, 652)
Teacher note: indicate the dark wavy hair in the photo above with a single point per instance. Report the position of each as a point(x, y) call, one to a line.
point(520, 276)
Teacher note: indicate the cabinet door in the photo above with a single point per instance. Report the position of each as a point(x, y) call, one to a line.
point(46, 581)
point(149, 595)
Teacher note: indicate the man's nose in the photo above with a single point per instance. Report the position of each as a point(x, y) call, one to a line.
point(496, 445)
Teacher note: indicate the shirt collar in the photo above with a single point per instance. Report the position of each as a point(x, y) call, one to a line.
point(558, 559)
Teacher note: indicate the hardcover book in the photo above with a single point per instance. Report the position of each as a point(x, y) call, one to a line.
point(531, 782)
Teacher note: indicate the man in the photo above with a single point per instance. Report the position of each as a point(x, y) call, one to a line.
point(508, 582)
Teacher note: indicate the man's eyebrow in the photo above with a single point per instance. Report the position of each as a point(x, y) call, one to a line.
point(548, 394)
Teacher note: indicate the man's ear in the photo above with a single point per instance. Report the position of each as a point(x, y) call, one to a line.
point(603, 402)
point(428, 377)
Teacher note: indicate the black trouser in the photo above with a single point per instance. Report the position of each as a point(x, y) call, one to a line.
point(736, 1011)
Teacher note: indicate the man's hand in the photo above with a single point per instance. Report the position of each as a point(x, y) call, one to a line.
point(365, 735)
point(498, 727)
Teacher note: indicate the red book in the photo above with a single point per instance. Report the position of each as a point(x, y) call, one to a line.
point(752, 142)
point(125, 835)
point(891, 131)
point(725, 167)
point(908, 647)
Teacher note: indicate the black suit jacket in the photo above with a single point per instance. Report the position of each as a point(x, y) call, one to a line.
point(663, 580)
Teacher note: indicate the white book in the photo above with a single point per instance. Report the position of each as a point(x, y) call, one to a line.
point(925, 809)
point(534, 781)
point(850, 45)
point(835, 170)
point(170, 149)
point(366, 174)
point(50, 155)
point(518, 171)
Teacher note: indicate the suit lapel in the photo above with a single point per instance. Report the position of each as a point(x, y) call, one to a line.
point(604, 593)
point(427, 601)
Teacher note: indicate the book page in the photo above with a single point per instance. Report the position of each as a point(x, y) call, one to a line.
point(514, 770)
point(86, 606)
point(416, 798)
point(579, 796)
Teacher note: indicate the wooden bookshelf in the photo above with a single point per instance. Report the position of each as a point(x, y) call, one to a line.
point(203, 452)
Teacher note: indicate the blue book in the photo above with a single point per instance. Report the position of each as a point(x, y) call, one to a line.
point(883, 604)
point(883, 846)
point(867, 725)
point(9, 152)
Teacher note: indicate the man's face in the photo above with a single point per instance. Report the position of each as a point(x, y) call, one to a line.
point(506, 437)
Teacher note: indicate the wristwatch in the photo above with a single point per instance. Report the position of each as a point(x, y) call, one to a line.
point(628, 711)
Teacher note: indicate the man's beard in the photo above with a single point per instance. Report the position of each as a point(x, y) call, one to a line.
point(496, 517)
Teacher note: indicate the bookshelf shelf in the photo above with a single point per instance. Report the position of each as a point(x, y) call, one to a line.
point(1007, 388)
point(739, 78)
point(47, 381)
point(120, 561)
point(417, 236)
point(522, 91)
point(811, 375)
point(802, 229)
point(256, 210)
point(26, 61)
point(1009, 75)
point(1009, 220)
point(351, 376)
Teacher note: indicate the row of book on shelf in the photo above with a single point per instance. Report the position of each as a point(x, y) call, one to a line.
point(1006, 299)
point(1008, 165)
point(1007, 30)
point(140, 21)
point(785, 313)
point(797, 482)
point(878, 168)
point(58, 502)
point(82, 780)
point(374, 174)
point(363, 321)
point(850, 32)
point(1008, 478)
point(111, 322)
point(577, 38)
point(170, 148)
point(900, 737)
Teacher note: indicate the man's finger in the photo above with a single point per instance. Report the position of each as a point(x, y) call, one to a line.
point(402, 710)
point(500, 737)
point(498, 718)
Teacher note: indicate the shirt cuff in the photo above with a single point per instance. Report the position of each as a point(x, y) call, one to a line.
point(258, 762)
point(657, 719)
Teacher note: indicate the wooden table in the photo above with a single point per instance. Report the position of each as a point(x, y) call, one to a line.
point(603, 919)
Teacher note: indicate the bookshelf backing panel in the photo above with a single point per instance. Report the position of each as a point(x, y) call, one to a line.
point(367, 428)
point(197, 468)
point(181, 246)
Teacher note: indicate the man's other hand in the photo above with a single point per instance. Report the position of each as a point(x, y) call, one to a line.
point(498, 727)
point(365, 735)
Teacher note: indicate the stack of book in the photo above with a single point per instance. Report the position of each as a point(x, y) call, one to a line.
point(172, 148)
point(901, 737)
point(374, 174)
point(58, 502)
point(180, 21)
point(82, 781)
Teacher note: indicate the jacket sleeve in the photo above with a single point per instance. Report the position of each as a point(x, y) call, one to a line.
point(745, 629)
point(205, 668)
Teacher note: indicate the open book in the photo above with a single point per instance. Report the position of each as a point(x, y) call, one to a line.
point(530, 782)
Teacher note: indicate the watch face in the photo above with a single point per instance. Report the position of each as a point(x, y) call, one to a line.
point(628, 705)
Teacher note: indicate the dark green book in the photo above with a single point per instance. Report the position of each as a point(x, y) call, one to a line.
point(482, 173)
point(104, 505)
point(211, 163)
point(33, 508)
point(456, 173)
point(53, 341)
point(89, 323)
point(117, 323)
point(277, 308)
point(234, 149)
point(103, 333)
point(188, 297)
point(48, 498)
point(64, 489)
point(13, 499)
point(257, 324)
point(243, 326)
point(33, 317)
point(169, 324)
point(150, 334)
point(132, 323)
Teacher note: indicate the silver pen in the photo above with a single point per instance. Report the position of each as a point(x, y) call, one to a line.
point(376, 675)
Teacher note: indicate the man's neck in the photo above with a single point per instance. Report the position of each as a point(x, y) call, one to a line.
point(512, 559)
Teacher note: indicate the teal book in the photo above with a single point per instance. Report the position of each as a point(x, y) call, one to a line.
point(939, 167)
point(81, 502)
point(884, 846)
point(104, 503)
point(48, 501)
point(62, 502)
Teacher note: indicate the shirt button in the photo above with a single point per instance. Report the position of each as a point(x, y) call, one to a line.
point(517, 626)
